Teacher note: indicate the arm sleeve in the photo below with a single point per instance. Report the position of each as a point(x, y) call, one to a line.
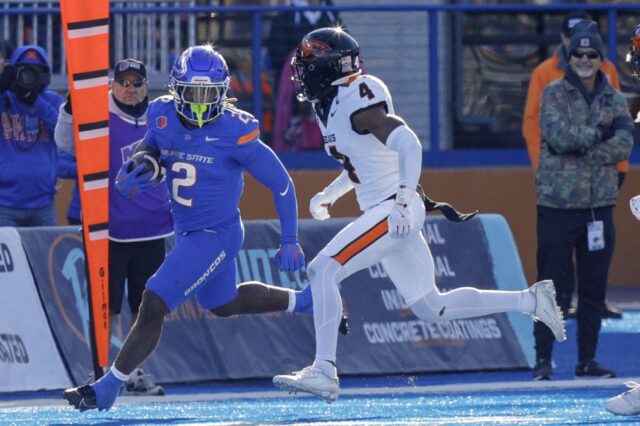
point(405, 142)
point(63, 134)
point(263, 164)
point(148, 142)
point(340, 186)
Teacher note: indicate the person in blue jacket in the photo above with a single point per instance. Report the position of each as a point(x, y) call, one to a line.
point(28, 152)
point(67, 168)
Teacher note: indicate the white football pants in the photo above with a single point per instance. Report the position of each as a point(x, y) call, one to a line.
point(409, 264)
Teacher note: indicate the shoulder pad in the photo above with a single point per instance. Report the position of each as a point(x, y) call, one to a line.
point(245, 127)
point(159, 110)
point(364, 91)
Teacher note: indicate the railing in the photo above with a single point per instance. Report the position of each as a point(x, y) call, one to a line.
point(154, 31)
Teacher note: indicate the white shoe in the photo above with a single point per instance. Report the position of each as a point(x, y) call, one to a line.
point(140, 383)
point(627, 403)
point(311, 380)
point(547, 309)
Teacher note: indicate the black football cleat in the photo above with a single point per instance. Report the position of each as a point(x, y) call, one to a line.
point(83, 397)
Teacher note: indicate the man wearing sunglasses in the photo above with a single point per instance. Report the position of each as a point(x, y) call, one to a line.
point(547, 71)
point(137, 226)
point(586, 129)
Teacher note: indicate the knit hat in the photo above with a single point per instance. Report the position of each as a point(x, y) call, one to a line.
point(571, 20)
point(586, 35)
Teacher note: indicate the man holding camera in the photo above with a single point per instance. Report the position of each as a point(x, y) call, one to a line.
point(28, 153)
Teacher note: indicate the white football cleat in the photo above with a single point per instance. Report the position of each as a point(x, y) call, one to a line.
point(547, 309)
point(140, 383)
point(310, 380)
point(627, 403)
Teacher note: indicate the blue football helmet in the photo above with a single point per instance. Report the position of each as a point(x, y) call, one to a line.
point(199, 83)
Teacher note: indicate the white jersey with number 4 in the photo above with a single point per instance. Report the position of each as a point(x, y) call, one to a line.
point(372, 167)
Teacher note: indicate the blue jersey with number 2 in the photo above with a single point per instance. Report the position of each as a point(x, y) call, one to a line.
point(204, 165)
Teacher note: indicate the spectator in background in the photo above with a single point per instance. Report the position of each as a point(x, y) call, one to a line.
point(137, 226)
point(6, 49)
point(547, 71)
point(28, 153)
point(628, 403)
point(241, 88)
point(294, 126)
point(68, 169)
point(287, 28)
point(586, 129)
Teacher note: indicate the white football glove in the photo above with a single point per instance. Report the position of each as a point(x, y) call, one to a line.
point(634, 203)
point(399, 221)
point(319, 206)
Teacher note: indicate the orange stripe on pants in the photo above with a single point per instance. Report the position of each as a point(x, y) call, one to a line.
point(362, 242)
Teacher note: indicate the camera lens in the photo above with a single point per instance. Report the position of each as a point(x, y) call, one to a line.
point(28, 77)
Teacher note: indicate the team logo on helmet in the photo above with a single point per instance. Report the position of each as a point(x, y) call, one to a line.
point(312, 49)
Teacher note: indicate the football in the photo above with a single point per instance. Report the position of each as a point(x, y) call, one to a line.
point(151, 164)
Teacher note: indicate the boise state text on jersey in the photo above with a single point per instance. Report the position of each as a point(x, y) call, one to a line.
point(204, 165)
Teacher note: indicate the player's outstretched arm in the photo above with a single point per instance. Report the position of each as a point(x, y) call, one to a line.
point(263, 164)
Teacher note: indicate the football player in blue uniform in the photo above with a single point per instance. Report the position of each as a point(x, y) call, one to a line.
point(204, 144)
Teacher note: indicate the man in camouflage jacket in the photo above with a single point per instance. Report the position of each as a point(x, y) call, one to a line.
point(586, 129)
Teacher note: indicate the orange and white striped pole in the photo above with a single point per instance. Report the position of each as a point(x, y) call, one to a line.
point(86, 36)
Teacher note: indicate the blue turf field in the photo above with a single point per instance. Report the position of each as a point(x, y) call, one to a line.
point(497, 398)
point(471, 407)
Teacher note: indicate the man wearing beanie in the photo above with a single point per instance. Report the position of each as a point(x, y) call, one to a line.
point(586, 129)
point(547, 71)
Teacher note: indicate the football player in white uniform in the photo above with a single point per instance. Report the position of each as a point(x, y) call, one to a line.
point(382, 160)
point(628, 402)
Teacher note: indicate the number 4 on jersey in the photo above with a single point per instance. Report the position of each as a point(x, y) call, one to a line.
point(365, 92)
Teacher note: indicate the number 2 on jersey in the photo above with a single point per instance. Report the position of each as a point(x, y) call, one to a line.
point(189, 179)
point(346, 163)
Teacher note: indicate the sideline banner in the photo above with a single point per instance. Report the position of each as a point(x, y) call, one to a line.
point(57, 260)
point(385, 337)
point(29, 359)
